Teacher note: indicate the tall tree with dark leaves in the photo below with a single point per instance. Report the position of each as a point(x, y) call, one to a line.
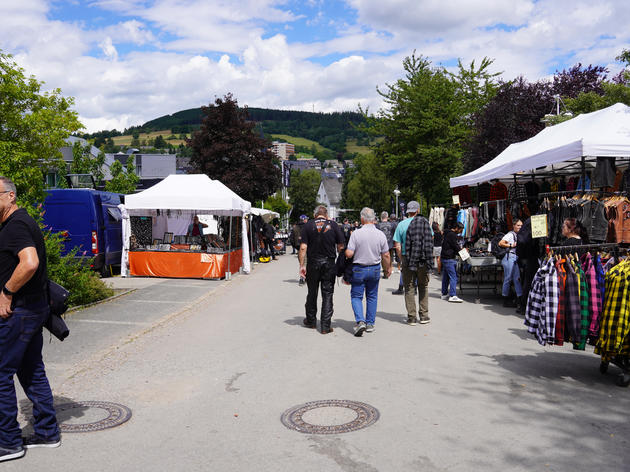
point(227, 148)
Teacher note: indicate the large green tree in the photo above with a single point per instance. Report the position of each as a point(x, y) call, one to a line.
point(303, 192)
point(426, 120)
point(33, 128)
point(367, 185)
point(124, 180)
point(83, 162)
point(227, 148)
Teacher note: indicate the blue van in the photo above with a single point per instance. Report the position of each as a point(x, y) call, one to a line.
point(93, 222)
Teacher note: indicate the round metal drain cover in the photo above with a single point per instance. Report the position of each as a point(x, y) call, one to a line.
point(116, 415)
point(315, 417)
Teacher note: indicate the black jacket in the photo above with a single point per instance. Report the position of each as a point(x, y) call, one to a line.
point(450, 245)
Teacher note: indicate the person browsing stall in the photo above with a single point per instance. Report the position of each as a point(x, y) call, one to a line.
point(23, 311)
point(511, 271)
point(369, 249)
point(574, 232)
point(450, 248)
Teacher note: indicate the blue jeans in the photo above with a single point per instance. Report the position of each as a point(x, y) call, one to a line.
point(449, 277)
point(21, 353)
point(511, 273)
point(365, 279)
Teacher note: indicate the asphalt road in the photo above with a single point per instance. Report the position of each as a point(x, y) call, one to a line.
point(208, 368)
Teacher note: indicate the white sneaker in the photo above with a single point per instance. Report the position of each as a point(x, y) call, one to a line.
point(455, 299)
point(444, 297)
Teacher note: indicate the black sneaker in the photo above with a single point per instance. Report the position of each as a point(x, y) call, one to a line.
point(400, 291)
point(301, 281)
point(35, 441)
point(8, 454)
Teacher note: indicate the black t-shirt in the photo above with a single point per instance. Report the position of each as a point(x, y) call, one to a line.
point(20, 231)
point(321, 237)
point(450, 245)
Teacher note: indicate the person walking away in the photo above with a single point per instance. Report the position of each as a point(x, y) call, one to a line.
point(23, 311)
point(438, 237)
point(399, 241)
point(511, 271)
point(368, 246)
point(269, 233)
point(418, 262)
point(294, 237)
point(346, 227)
point(450, 248)
point(321, 239)
point(388, 230)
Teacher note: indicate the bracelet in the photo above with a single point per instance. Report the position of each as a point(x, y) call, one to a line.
point(8, 292)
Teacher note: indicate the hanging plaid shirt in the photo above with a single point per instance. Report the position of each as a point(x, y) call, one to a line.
point(584, 304)
point(542, 304)
point(419, 244)
point(594, 299)
point(498, 191)
point(599, 273)
point(572, 306)
point(517, 191)
point(614, 336)
point(560, 319)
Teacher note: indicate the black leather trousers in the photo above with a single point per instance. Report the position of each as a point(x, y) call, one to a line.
point(320, 272)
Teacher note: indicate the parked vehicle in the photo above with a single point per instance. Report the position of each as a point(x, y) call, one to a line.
point(93, 223)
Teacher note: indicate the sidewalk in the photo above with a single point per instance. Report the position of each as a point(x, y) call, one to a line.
point(208, 381)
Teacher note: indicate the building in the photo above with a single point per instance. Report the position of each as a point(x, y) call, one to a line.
point(329, 194)
point(282, 150)
point(151, 168)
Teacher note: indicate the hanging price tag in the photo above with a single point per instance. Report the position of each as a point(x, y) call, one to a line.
point(464, 254)
point(539, 226)
point(456, 199)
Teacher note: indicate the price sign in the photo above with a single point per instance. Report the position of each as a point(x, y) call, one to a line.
point(539, 226)
point(456, 199)
point(464, 254)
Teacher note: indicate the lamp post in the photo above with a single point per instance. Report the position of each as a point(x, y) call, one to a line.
point(396, 192)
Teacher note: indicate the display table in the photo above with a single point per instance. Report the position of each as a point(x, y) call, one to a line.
point(186, 265)
point(480, 265)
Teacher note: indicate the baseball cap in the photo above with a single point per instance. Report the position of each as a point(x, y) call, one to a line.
point(413, 206)
point(303, 217)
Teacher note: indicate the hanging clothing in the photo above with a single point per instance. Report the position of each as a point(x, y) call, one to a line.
point(498, 191)
point(604, 173)
point(542, 304)
point(615, 326)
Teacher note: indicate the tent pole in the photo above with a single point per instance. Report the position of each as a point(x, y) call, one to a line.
point(228, 274)
point(583, 173)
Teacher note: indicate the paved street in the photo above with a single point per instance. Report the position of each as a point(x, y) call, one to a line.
point(208, 368)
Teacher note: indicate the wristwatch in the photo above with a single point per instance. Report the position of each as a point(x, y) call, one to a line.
point(8, 292)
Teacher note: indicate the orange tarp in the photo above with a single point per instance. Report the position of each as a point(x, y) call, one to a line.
point(189, 265)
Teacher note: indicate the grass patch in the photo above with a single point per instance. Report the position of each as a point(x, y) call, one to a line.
point(300, 141)
point(126, 139)
point(351, 146)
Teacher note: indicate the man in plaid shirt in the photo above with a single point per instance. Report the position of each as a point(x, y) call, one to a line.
point(418, 262)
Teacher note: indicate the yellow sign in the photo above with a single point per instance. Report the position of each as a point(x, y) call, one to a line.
point(455, 199)
point(539, 226)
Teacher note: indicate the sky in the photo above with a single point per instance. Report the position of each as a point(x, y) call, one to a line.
point(126, 62)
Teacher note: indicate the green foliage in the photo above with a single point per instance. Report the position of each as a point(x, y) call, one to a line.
point(33, 128)
point(367, 185)
point(76, 276)
point(123, 181)
point(303, 192)
point(278, 204)
point(426, 120)
point(84, 163)
point(160, 143)
point(591, 101)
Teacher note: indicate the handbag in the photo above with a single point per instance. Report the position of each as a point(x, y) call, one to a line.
point(58, 302)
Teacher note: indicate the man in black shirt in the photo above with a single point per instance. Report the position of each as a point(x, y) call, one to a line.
point(23, 311)
point(321, 239)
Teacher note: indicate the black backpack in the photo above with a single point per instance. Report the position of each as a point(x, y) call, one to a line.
point(496, 250)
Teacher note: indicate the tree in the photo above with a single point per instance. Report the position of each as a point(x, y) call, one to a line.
point(84, 163)
point(33, 129)
point(278, 204)
point(227, 149)
point(123, 180)
point(570, 83)
point(367, 185)
point(303, 192)
point(427, 118)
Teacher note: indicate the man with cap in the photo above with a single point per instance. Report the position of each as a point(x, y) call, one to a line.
point(400, 234)
point(417, 263)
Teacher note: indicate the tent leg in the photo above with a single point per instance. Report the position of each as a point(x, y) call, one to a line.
point(228, 274)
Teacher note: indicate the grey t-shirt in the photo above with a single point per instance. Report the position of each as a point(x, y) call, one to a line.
point(368, 243)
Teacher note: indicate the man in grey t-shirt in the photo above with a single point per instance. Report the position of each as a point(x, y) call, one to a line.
point(368, 246)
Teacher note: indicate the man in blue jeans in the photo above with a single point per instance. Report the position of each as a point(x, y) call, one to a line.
point(368, 246)
point(23, 311)
point(450, 248)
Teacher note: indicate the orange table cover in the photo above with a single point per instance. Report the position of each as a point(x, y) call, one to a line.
point(199, 265)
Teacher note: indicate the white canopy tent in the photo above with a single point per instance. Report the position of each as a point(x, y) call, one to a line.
point(603, 133)
point(177, 199)
point(267, 215)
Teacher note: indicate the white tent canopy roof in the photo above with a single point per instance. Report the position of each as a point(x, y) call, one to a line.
point(267, 215)
point(196, 193)
point(600, 133)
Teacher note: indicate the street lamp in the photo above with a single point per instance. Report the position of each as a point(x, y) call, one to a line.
point(396, 192)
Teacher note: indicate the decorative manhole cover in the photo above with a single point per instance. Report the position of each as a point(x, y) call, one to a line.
point(116, 415)
point(315, 417)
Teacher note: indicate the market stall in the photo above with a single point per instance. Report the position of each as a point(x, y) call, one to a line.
point(157, 240)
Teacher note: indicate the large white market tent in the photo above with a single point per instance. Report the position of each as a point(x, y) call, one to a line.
point(602, 133)
point(186, 195)
point(267, 215)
